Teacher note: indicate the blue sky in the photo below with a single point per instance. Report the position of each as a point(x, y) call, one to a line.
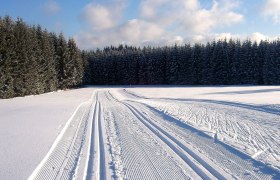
point(97, 23)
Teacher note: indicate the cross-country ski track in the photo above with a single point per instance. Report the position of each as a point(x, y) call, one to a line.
point(117, 134)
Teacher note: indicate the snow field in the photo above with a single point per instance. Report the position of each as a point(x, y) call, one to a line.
point(134, 133)
point(135, 137)
point(29, 126)
point(250, 129)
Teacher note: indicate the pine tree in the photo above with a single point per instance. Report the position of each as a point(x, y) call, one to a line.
point(62, 66)
point(7, 53)
point(74, 66)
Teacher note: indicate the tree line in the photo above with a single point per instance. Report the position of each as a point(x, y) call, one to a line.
point(35, 61)
point(222, 62)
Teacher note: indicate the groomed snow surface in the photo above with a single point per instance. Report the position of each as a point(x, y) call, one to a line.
point(143, 133)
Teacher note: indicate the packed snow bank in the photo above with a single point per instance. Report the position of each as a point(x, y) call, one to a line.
point(29, 125)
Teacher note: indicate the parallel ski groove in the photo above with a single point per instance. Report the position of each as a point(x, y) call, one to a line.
point(96, 166)
point(252, 173)
point(169, 141)
point(93, 164)
point(60, 162)
point(115, 137)
point(229, 161)
point(139, 160)
point(101, 147)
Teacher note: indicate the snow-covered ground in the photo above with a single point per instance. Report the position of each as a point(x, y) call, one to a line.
point(143, 133)
point(246, 117)
point(29, 125)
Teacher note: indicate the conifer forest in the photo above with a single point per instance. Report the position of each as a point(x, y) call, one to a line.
point(34, 61)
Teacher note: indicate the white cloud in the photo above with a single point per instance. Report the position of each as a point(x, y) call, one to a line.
point(272, 9)
point(137, 30)
point(189, 16)
point(178, 40)
point(158, 21)
point(98, 16)
point(204, 38)
point(134, 32)
point(222, 36)
point(258, 37)
point(255, 37)
point(51, 7)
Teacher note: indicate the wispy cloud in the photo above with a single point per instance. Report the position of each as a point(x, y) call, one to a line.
point(51, 7)
point(159, 22)
point(271, 9)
